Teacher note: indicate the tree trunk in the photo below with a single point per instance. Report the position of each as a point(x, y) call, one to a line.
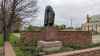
point(5, 34)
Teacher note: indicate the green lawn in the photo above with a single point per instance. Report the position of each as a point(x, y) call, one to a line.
point(1, 40)
point(13, 38)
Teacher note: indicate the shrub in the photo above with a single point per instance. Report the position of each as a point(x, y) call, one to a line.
point(19, 52)
point(63, 49)
point(93, 45)
point(74, 46)
point(27, 47)
point(52, 50)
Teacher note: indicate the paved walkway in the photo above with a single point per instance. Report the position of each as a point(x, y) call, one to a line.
point(8, 49)
point(74, 52)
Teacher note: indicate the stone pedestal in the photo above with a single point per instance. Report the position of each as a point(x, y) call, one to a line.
point(50, 45)
point(50, 33)
point(49, 40)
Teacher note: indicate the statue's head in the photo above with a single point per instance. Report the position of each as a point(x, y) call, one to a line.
point(49, 8)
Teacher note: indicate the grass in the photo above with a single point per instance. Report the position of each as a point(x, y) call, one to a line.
point(19, 52)
point(1, 40)
point(13, 39)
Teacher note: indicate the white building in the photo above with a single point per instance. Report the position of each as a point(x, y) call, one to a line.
point(92, 24)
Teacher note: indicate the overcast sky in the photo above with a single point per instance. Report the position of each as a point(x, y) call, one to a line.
point(66, 10)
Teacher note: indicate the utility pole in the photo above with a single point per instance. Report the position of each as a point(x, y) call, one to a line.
point(88, 21)
point(96, 28)
point(71, 22)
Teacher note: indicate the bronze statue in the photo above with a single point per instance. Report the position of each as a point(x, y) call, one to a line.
point(49, 16)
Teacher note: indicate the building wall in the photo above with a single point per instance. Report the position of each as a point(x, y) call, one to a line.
point(92, 23)
point(87, 27)
point(98, 28)
point(91, 27)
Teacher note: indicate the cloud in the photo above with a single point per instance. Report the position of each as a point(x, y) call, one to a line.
point(69, 9)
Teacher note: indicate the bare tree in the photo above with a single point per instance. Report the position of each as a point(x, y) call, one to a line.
point(10, 9)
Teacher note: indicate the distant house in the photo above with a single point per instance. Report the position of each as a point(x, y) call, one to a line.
point(92, 24)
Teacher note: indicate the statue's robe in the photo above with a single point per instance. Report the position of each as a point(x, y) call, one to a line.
point(49, 16)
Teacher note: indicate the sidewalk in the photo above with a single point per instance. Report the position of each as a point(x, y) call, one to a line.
point(8, 49)
point(77, 52)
